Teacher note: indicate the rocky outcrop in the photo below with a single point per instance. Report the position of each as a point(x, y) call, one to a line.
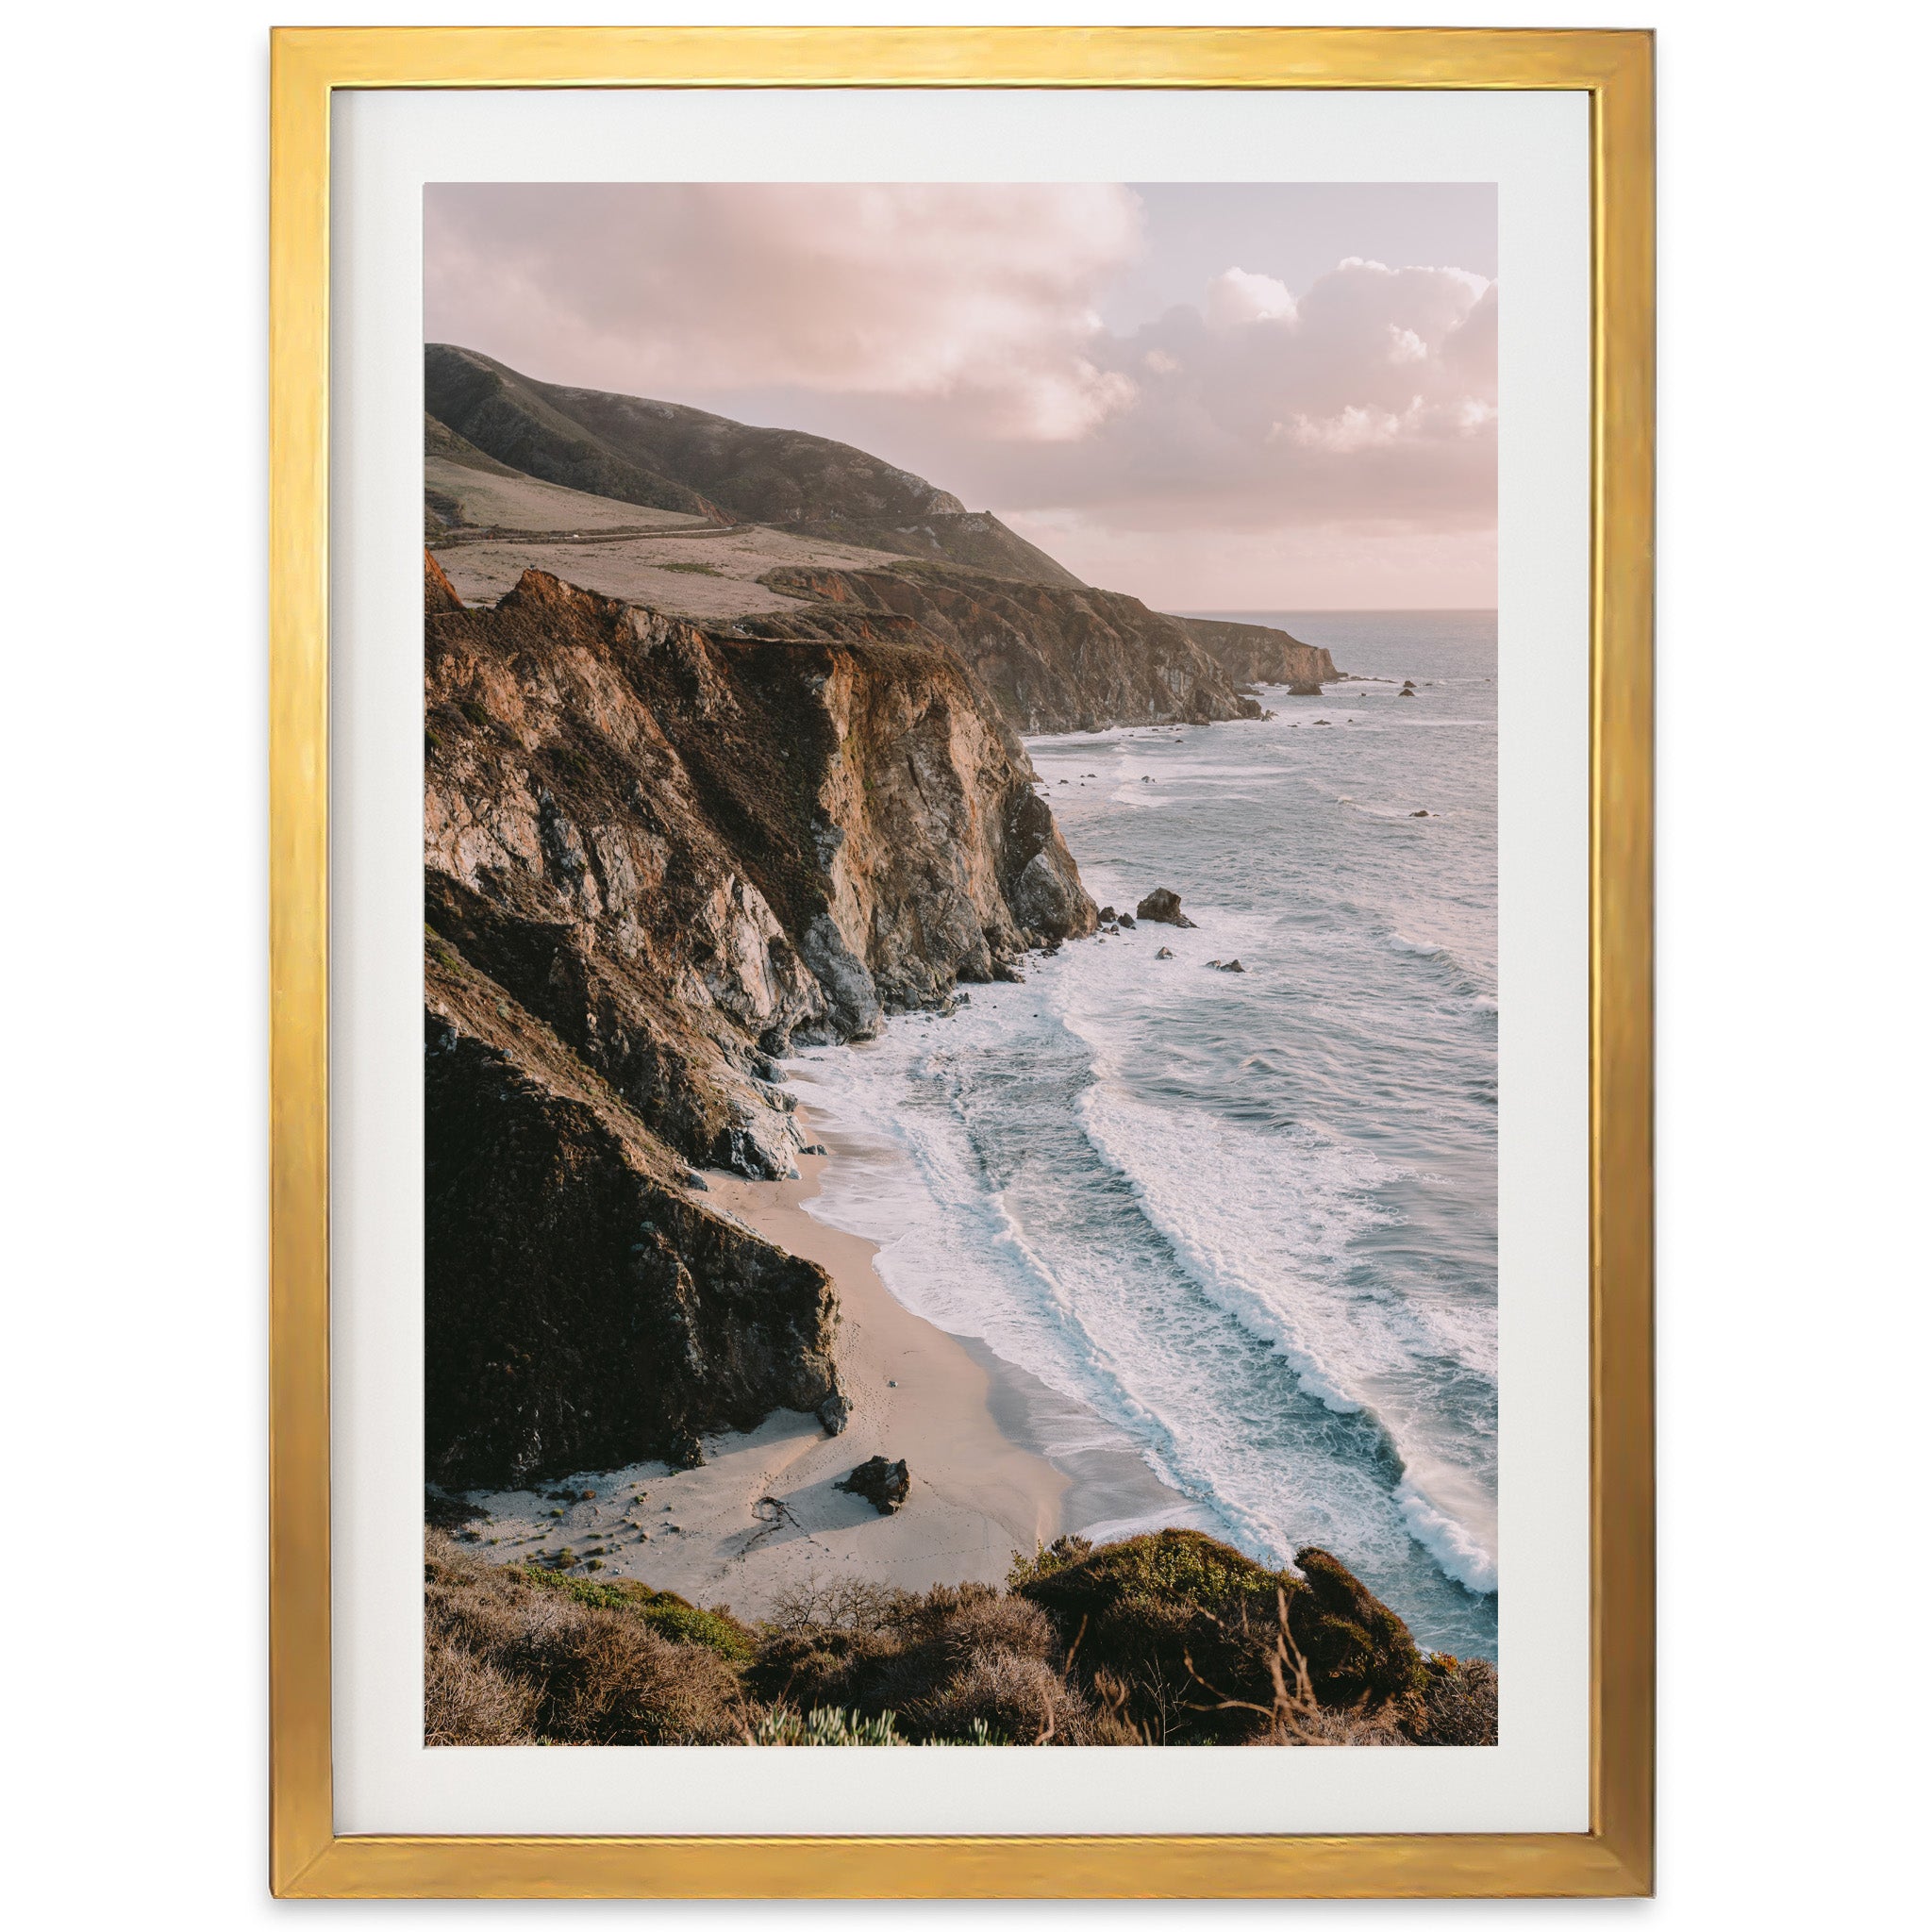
point(581, 1307)
point(1259, 654)
point(1052, 658)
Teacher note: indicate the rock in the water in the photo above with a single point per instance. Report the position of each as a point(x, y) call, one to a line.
point(1402, 694)
point(1165, 953)
point(1233, 966)
point(1418, 814)
point(1108, 915)
point(1126, 921)
point(883, 1483)
point(1163, 907)
point(834, 1412)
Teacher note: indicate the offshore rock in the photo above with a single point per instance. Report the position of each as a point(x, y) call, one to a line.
point(1163, 907)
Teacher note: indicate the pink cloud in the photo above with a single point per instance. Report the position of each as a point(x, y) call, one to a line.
point(983, 296)
point(957, 331)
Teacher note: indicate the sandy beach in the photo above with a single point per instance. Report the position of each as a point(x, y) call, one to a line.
point(763, 1515)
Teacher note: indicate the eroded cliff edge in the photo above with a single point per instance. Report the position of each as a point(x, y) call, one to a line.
point(1259, 654)
point(1051, 659)
point(656, 854)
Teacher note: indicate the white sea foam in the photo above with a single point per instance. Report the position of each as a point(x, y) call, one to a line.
point(1453, 1544)
point(1277, 1208)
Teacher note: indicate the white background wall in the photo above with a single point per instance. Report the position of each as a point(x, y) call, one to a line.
point(1795, 798)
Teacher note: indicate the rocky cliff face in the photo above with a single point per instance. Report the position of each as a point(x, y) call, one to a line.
point(1259, 654)
point(1052, 658)
point(582, 1308)
point(656, 854)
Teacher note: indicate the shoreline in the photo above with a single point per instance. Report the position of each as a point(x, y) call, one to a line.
point(999, 1461)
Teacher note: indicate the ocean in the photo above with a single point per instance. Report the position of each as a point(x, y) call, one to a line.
point(1246, 1221)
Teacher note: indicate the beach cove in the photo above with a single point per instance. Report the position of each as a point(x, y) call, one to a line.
point(763, 1516)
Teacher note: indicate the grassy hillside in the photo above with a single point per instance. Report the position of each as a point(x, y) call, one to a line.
point(667, 455)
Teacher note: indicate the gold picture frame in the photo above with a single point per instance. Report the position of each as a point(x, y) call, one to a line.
point(307, 1858)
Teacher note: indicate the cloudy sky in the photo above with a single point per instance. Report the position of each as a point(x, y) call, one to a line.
point(1253, 396)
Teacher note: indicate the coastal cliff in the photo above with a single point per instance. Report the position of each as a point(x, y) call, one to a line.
point(760, 788)
point(1259, 654)
point(1052, 658)
point(656, 855)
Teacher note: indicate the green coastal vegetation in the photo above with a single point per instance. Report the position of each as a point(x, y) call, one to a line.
point(1166, 1639)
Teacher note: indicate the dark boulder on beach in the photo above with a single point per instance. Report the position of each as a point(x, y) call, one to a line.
point(1163, 907)
point(884, 1485)
point(834, 1412)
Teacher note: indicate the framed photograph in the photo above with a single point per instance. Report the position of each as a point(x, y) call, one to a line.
point(962, 956)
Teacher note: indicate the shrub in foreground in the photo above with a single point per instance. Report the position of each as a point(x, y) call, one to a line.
point(1169, 1639)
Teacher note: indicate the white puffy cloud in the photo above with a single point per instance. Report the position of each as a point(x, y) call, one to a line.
point(1236, 296)
point(1374, 396)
